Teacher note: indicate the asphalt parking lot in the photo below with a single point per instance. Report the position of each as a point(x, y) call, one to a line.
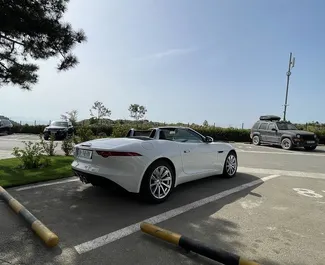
point(272, 212)
point(8, 142)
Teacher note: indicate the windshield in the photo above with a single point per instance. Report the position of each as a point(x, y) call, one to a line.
point(286, 126)
point(59, 123)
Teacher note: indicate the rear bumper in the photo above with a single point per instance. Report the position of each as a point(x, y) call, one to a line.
point(128, 180)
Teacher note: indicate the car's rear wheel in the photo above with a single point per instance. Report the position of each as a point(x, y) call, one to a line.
point(158, 182)
point(286, 144)
point(230, 166)
point(256, 140)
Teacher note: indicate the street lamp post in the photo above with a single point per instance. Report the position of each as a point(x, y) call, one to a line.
point(291, 65)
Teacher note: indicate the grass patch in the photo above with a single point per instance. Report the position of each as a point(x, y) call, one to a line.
point(11, 175)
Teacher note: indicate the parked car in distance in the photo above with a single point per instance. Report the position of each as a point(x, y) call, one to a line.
point(5, 126)
point(153, 162)
point(269, 129)
point(60, 130)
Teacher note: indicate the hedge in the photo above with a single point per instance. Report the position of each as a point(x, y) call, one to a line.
point(219, 134)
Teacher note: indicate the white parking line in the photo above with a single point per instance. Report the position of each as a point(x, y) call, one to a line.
point(279, 153)
point(35, 186)
point(250, 170)
point(116, 235)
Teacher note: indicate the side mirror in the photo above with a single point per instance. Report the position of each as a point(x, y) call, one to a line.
point(208, 139)
point(273, 129)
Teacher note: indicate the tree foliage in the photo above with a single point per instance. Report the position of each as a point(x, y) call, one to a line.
point(31, 30)
point(205, 123)
point(99, 111)
point(71, 116)
point(137, 111)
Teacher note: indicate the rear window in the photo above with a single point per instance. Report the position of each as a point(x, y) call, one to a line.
point(255, 126)
point(263, 126)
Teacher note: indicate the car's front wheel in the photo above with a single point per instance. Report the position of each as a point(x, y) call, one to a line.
point(230, 166)
point(286, 144)
point(158, 182)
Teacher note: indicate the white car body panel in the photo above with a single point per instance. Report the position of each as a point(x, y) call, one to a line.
point(191, 160)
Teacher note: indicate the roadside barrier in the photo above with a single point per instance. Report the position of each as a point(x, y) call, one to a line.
point(196, 246)
point(49, 238)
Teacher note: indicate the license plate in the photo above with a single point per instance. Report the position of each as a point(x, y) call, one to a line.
point(310, 142)
point(83, 153)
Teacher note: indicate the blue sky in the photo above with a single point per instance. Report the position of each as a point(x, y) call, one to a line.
point(186, 61)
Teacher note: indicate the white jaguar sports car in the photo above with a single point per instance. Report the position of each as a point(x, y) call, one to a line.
point(153, 162)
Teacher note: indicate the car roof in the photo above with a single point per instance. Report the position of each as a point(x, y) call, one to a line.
point(173, 127)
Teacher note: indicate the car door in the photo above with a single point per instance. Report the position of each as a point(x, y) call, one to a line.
point(263, 131)
point(197, 156)
point(272, 133)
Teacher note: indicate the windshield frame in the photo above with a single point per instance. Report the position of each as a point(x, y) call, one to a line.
point(60, 124)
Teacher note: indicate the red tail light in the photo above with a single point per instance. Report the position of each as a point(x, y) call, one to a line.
point(113, 153)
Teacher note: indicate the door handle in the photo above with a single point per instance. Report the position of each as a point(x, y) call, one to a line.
point(187, 151)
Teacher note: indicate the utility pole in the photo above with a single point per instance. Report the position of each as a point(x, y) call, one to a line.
point(291, 65)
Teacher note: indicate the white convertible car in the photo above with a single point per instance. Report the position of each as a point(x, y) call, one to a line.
point(153, 162)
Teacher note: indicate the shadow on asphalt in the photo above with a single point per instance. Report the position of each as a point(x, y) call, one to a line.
point(319, 149)
point(79, 213)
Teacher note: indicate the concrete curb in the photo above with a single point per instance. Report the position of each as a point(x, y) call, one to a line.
point(216, 254)
point(49, 238)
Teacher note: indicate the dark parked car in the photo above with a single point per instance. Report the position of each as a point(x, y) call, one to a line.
point(60, 130)
point(5, 126)
point(271, 130)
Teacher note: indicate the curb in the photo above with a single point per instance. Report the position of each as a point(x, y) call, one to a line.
point(196, 246)
point(49, 238)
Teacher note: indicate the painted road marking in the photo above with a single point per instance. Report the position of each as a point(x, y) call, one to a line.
point(279, 153)
point(307, 193)
point(250, 170)
point(116, 235)
point(47, 184)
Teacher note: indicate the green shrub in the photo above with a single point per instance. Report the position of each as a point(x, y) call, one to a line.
point(76, 139)
point(102, 135)
point(85, 134)
point(31, 129)
point(32, 156)
point(120, 131)
point(67, 146)
point(49, 147)
point(96, 129)
point(224, 134)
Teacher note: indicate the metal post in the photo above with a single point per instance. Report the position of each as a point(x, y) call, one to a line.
point(291, 65)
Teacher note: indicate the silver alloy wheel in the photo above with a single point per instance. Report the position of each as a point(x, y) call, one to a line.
point(286, 143)
point(231, 165)
point(160, 182)
point(255, 140)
